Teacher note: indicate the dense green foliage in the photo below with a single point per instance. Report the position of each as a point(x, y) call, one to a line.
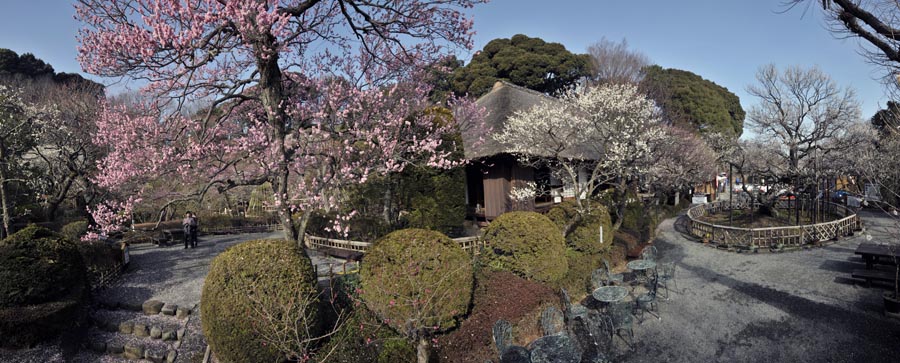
point(527, 244)
point(39, 266)
point(28, 66)
point(577, 280)
point(695, 103)
point(74, 230)
point(42, 286)
point(364, 339)
point(418, 276)
point(252, 276)
point(102, 261)
point(525, 61)
point(583, 231)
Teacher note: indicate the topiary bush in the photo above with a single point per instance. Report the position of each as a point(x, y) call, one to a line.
point(527, 244)
point(42, 286)
point(364, 339)
point(584, 232)
point(261, 288)
point(75, 230)
point(418, 281)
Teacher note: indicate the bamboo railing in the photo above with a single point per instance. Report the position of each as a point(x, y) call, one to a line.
point(471, 244)
point(770, 236)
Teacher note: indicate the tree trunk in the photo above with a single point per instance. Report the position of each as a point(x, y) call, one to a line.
point(272, 98)
point(387, 200)
point(60, 197)
point(677, 194)
point(301, 229)
point(3, 205)
point(422, 350)
point(620, 197)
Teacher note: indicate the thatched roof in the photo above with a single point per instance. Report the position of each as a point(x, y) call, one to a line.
point(504, 100)
point(500, 103)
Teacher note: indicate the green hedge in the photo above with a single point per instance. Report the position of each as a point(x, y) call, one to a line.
point(584, 236)
point(42, 286)
point(527, 244)
point(254, 275)
point(407, 267)
point(75, 230)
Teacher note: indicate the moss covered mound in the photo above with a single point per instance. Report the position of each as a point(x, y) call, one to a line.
point(253, 276)
point(527, 244)
point(42, 286)
point(39, 266)
point(417, 274)
point(584, 232)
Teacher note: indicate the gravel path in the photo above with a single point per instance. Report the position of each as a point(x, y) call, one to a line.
point(772, 307)
point(171, 274)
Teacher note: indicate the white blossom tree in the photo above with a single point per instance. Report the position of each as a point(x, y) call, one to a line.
point(592, 137)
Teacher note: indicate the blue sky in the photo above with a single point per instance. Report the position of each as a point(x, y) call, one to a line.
point(722, 40)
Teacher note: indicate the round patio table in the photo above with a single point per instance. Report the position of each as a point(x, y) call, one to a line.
point(608, 294)
point(640, 268)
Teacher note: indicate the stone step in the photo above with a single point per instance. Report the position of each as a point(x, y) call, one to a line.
point(129, 346)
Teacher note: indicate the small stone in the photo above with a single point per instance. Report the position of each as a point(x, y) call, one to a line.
point(115, 348)
point(141, 330)
point(168, 335)
point(155, 332)
point(126, 327)
point(134, 351)
point(176, 345)
point(155, 357)
point(169, 309)
point(152, 307)
point(180, 334)
point(182, 312)
point(170, 357)
point(98, 346)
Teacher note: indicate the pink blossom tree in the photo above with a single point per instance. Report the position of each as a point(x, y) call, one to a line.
point(308, 95)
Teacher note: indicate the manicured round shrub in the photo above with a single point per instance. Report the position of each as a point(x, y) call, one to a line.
point(417, 275)
point(75, 230)
point(527, 244)
point(42, 286)
point(247, 280)
point(364, 339)
point(584, 233)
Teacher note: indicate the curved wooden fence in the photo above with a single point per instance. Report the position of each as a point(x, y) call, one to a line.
point(770, 236)
point(470, 244)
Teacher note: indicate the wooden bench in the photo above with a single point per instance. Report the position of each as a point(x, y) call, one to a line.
point(873, 275)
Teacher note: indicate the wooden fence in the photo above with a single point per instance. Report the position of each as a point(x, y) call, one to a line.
point(770, 236)
point(471, 244)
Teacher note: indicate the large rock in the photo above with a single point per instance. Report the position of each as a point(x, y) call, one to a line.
point(134, 351)
point(155, 332)
point(169, 309)
point(502, 332)
point(554, 349)
point(141, 330)
point(126, 327)
point(152, 307)
point(552, 321)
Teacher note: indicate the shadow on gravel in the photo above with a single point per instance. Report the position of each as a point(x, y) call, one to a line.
point(876, 336)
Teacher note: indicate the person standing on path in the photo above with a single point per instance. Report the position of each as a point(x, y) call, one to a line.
point(186, 224)
point(195, 225)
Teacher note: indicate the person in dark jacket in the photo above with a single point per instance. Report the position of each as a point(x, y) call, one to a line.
point(195, 225)
point(186, 224)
